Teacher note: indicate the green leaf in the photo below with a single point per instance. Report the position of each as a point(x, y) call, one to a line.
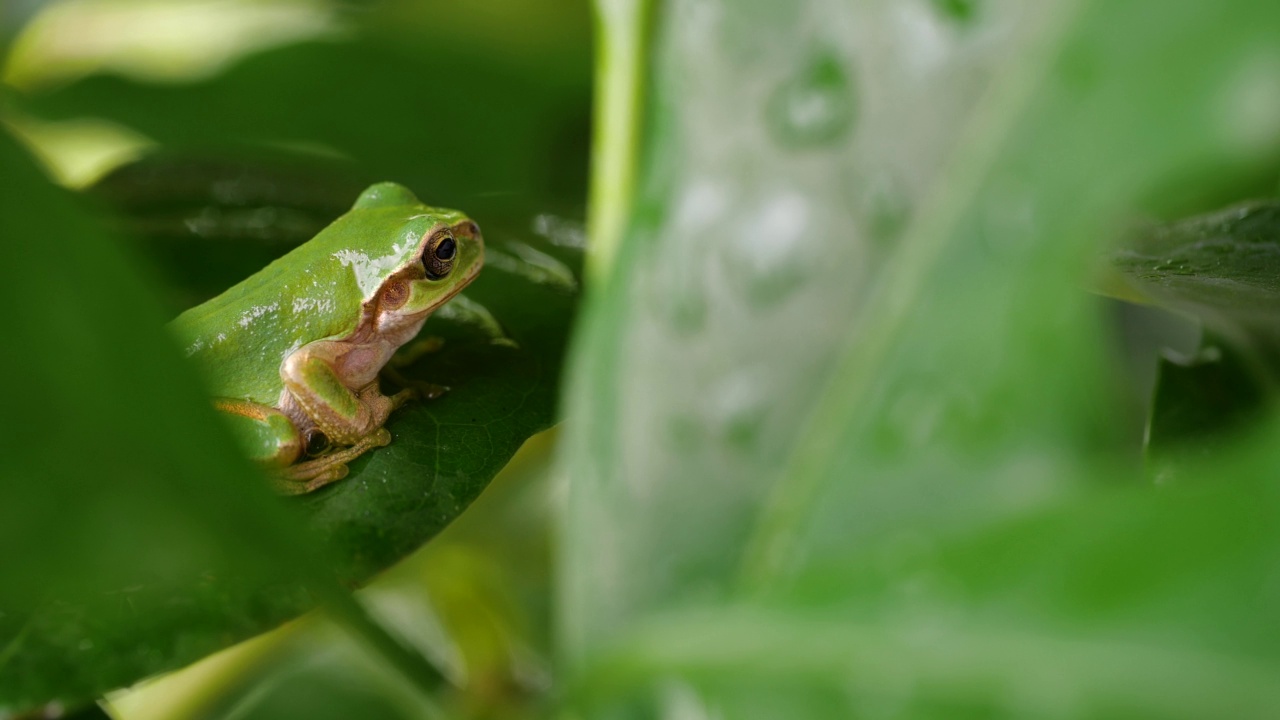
point(1223, 268)
point(885, 471)
point(748, 256)
point(475, 598)
point(1201, 405)
point(444, 116)
point(119, 482)
point(1220, 268)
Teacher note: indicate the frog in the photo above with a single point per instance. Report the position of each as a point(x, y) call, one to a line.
point(292, 355)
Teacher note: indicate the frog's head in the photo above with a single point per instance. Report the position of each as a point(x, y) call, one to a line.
point(450, 256)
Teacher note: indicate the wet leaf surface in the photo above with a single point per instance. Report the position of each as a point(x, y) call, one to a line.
point(1222, 268)
point(889, 476)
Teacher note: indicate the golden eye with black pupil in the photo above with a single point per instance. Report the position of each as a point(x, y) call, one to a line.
point(439, 261)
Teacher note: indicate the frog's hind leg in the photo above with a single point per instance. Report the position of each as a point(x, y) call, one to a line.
point(314, 474)
point(271, 439)
point(267, 435)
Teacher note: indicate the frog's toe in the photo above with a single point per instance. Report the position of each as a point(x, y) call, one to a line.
point(416, 390)
point(430, 391)
point(310, 475)
point(404, 396)
point(333, 474)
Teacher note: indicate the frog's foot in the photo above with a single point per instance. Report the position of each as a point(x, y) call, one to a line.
point(415, 351)
point(404, 396)
point(467, 311)
point(284, 484)
point(406, 356)
point(413, 389)
point(304, 477)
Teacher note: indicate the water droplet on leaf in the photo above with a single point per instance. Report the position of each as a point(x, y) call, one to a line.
point(769, 260)
point(814, 107)
point(888, 208)
point(958, 10)
point(739, 406)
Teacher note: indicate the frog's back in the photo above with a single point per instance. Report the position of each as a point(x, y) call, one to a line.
point(315, 292)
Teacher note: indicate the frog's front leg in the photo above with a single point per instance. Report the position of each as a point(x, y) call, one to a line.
point(336, 385)
point(414, 351)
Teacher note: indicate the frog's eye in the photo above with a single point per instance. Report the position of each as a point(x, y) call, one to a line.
point(438, 262)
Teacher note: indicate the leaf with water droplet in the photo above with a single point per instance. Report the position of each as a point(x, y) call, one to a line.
point(950, 390)
point(815, 107)
point(1222, 267)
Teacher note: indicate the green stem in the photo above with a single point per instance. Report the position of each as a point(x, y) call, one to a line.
point(415, 669)
point(621, 51)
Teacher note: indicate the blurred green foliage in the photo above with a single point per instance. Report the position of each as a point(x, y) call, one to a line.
point(846, 436)
point(112, 503)
point(146, 573)
point(862, 457)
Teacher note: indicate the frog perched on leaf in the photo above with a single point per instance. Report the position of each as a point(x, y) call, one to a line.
point(292, 354)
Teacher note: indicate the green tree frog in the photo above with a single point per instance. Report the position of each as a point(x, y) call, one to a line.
point(292, 354)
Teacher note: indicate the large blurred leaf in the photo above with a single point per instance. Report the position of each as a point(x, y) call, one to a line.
point(791, 146)
point(475, 598)
point(1127, 606)
point(119, 484)
point(438, 111)
point(914, 466)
